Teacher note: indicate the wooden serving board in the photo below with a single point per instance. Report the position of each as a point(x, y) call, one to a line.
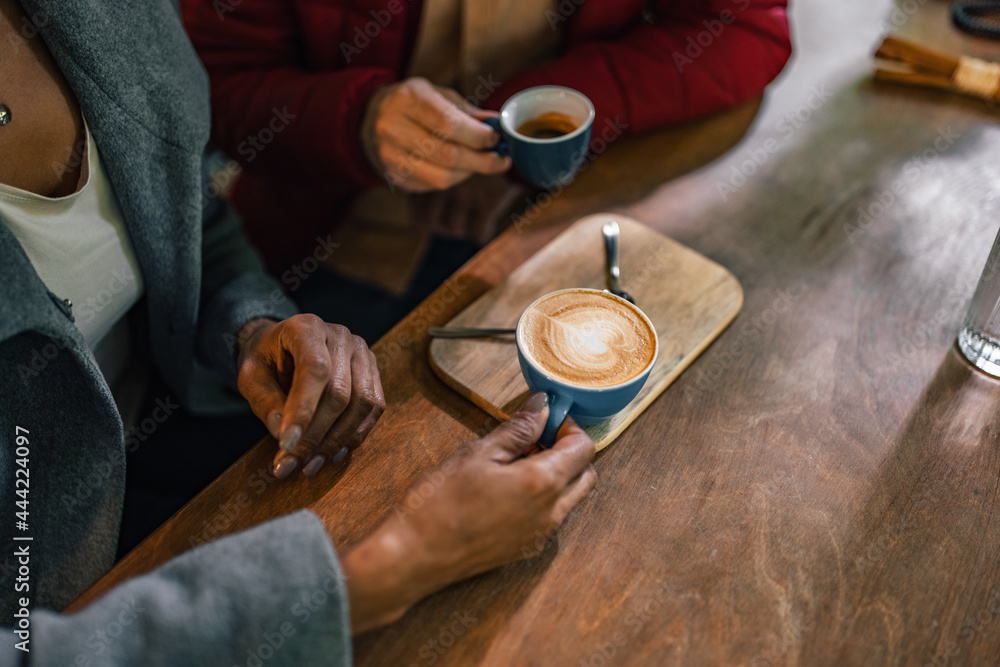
point(689, 298)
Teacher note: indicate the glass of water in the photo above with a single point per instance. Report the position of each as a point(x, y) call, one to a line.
point(979, 338)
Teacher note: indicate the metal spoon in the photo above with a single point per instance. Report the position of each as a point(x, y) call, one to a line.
point(611, 233)
point(465, 332)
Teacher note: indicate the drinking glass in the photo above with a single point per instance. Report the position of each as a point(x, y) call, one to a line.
point(979, 338)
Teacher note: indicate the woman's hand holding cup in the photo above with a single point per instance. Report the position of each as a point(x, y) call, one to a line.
point(493, 501)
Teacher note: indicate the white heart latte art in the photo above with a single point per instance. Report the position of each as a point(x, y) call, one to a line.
point(587, 338)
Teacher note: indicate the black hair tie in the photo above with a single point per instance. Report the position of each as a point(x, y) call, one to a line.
point(970, 17)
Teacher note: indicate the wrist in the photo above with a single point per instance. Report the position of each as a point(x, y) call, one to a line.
point(369, 137)
point(383, 579)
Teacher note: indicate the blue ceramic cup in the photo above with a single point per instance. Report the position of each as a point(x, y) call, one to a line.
point(586, 405)
point(549, 162)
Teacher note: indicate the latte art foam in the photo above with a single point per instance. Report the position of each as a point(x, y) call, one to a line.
point(587, 338)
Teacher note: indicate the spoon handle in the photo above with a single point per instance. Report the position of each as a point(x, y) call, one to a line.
point(611, 233)
point(465, 332)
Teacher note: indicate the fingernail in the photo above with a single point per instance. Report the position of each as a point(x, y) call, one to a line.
point(284, 467)
point(290, 437)
point(339, 456)
point(313, 465)
point(537, 402)
point(274, 423)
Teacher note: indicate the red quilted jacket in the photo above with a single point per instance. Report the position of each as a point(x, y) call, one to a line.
point(290, 79)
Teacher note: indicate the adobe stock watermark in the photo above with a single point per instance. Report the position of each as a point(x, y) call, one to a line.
point(91, 481)
point(31, 26)
point(87, 312)
point(292, 278)
point(363, 35)
point(429, 483)
point(562, 12)
point(613, 129)
point(970, 628)
point(750, 333)
point(120, 280)
point(226, 515)
point(218, 524)
point(40, 359)
point(695, 46)
point(633, 623)
point(299, 272)
point(223, 7)
point(791, 636)
point(926, 494)
point(435, 648)
point(163, 409)
point(876, 550)
point(249, 149)
point(641, 272)
point(439, 136)
point(74, 161)
point(925, 333)
point(101, 471)
point(310, 603)
point(786, 127)
point(885, 198)
point(900, 15)
point(103, 638)
point(427, 315)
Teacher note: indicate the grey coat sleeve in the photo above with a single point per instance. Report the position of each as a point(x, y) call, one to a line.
point(235, 289)
point(273, 595)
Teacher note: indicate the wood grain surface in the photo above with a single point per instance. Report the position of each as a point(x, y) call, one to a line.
point(689, 299)
point(820, 487)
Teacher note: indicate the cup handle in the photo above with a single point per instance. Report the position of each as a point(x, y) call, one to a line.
point(559, 407)
point(501, 149)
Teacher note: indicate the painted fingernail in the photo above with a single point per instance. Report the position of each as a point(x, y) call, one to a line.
point(339, 456)
point(537, 402)
point(290, 437)
point(284, 467)
point(274, 423)
point(313, 465)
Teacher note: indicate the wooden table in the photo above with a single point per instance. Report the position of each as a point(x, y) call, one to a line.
point(821, 486)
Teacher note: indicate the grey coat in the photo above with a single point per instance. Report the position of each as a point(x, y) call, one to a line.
point(248, 599)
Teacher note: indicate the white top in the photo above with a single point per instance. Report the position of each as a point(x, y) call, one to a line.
point(80, 249)
point(79, 246)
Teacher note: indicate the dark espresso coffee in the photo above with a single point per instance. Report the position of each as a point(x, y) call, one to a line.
point(548, 126)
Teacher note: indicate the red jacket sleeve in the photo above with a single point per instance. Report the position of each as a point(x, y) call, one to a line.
point(255, 57)
point(683, 59)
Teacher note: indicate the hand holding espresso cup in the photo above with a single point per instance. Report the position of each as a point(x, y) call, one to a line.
point(423, 137)
point(314, 385)
point(589, 350)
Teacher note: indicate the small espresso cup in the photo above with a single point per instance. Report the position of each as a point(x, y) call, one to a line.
point(545, 162)
point(572, 396)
